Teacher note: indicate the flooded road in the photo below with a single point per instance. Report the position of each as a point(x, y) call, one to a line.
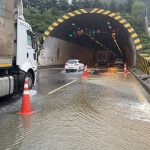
point(109, 111)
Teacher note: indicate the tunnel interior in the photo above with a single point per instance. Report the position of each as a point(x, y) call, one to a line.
point(97, 33)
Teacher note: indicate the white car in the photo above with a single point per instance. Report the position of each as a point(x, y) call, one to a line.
point(119, 62)
point(74, 65)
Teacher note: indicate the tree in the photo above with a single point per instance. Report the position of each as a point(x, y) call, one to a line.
point(86, 4)
point(63, 5)
point(145, 39)
point(74, 5)
point(121, 8)
point(129, 5)
point(138, 9)
point(113, 5)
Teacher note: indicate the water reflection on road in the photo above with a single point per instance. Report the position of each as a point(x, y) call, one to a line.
point(106, 111)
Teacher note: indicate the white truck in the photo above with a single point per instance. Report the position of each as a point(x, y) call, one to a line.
point(102, 57)
point(18, 60)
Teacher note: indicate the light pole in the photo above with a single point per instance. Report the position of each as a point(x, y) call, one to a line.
point(146, 21)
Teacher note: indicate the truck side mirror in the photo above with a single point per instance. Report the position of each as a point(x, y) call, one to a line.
point(41, 41)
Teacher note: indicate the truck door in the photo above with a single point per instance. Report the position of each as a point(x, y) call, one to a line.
point(26, 56)
point(31, 55)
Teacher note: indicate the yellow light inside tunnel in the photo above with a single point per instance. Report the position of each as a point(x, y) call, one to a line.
point(110, 71)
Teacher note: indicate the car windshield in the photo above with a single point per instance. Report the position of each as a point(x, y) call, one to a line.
point(72, 61)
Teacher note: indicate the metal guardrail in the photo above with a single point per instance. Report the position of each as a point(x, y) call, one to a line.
point(143, 64)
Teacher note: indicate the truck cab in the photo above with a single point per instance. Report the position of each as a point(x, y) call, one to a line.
point(18, 59)
point(26, 58)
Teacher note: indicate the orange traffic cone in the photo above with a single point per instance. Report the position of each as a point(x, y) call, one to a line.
point(125, 74)
point(125, 68)
point(26, 106)
point(85, 74)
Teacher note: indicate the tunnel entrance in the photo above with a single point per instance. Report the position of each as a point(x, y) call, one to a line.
point(92, 35)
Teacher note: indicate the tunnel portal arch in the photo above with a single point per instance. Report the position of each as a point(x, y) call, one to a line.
point(115, 16)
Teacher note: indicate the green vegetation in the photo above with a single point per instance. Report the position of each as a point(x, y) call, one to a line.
point(41, 13)
point(145, 41)
point(40, 21)
point(147, 51)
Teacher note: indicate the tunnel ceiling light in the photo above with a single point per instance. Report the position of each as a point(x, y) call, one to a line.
point(73, 24)
point(113, 36)
point(98, 31)
point(88, 32)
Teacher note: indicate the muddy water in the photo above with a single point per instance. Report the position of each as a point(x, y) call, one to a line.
point(108, 112)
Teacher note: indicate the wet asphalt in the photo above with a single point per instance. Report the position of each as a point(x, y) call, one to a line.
point(109, 110)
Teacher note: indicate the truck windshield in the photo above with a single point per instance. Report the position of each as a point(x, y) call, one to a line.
point(72, 61)
point(30, 39)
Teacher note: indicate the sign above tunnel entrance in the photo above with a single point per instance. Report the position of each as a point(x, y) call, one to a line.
point(114, 16)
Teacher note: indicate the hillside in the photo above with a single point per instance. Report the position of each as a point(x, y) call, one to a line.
point(41, 13)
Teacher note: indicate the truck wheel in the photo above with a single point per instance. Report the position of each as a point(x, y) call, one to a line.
point(29, 77)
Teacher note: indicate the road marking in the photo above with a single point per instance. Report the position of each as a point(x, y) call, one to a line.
point(61, 87)
point(139, 94)
point(49, 68)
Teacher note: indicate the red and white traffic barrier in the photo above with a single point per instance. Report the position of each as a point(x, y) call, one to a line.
point(85, 74)
point(26, 106)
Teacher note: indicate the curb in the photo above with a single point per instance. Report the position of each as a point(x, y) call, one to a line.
point(143, 83)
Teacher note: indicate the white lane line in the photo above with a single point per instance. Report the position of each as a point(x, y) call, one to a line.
point(61, 87)
point(43, 69)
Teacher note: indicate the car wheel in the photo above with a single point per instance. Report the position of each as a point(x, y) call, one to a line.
point(29, 78)
point(67, 70)
point(83, 69)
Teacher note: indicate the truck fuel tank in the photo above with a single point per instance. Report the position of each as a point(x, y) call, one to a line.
point(7, 85)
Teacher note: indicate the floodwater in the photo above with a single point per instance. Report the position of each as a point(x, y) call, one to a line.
point(109, 111)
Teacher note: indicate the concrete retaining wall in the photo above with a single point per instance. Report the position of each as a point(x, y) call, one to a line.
point(57, 51)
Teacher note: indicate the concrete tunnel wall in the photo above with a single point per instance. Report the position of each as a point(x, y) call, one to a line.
point(129, 51)
point(57, 51)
